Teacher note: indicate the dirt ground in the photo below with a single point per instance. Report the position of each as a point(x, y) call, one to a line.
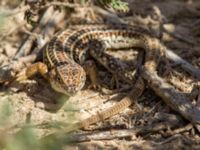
point(149, 124)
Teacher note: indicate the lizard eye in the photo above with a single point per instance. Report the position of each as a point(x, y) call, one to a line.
point(58, 78)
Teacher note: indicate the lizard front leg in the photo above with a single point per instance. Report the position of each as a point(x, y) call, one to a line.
point(38, 67)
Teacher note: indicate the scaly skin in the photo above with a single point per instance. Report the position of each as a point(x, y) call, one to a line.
point(67, 52)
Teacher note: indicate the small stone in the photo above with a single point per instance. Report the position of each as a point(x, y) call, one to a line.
point(9, 50)
point(40, 105)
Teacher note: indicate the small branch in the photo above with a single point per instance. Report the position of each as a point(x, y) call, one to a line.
point(28, 58)
point(176, 100)
point(16, 11)
point(25, 47)
point(172, 138)
point(183, 129)
point(110, 17)
point(49, 20)
point(113, 134)
point(64, 4)
point(179, 37)
point(184, 64)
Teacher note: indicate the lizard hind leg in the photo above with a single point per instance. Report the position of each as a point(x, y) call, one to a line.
point(119, 69)
point(91, 70)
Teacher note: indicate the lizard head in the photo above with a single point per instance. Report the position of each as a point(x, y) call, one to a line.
point(67, 79)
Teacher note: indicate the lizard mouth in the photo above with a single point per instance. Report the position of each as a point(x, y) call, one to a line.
point(57, 87)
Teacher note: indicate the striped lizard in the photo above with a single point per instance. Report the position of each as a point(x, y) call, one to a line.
point(67, 52)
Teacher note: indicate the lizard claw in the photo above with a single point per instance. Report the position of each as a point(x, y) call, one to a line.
point(21, 76)
point(94, 86)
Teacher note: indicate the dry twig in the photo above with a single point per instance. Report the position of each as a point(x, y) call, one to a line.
point(176, 100)
point(113, 134)
point(167, 140)
point(184, 64)
point(64, 4)
point(27, 44)
point(110, 17)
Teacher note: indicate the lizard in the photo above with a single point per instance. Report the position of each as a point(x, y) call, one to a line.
point(67, 52)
